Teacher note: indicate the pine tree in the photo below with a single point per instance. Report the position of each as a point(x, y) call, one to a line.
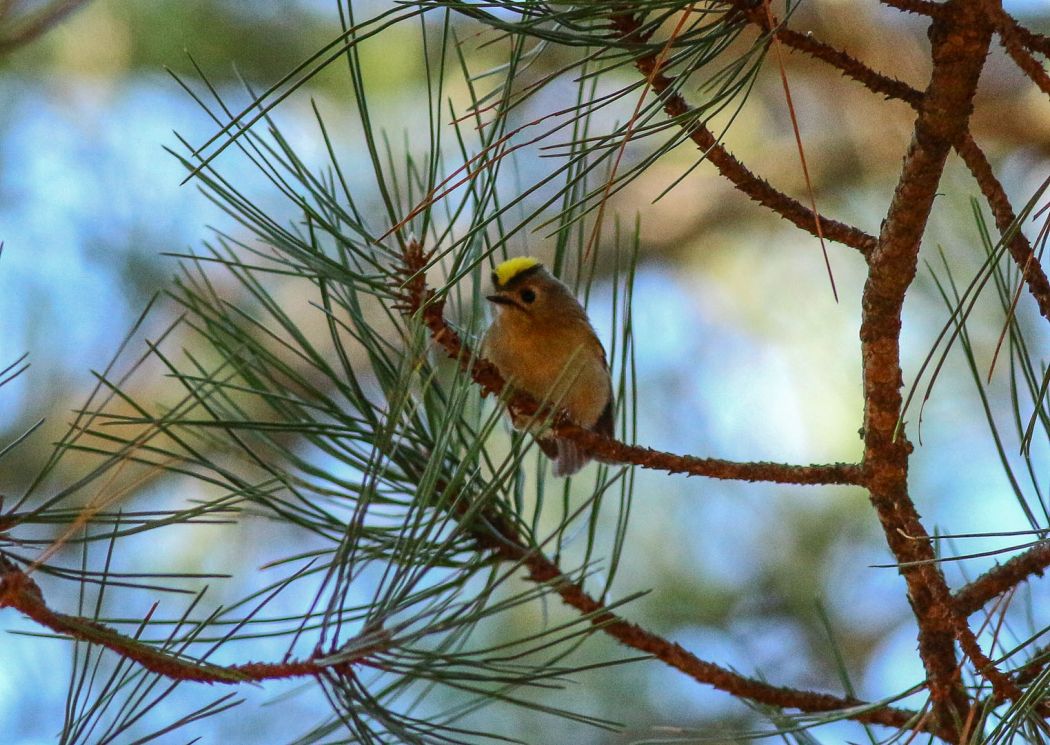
point(323, 377)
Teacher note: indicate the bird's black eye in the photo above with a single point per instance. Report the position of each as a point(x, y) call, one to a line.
point(527, 295)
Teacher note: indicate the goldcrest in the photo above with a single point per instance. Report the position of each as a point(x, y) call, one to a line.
point(543, 344)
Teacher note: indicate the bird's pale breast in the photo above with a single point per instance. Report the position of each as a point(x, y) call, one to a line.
point(565, 366)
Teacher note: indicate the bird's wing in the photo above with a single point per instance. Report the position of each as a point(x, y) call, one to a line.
point(606, 423)
point(548, 446)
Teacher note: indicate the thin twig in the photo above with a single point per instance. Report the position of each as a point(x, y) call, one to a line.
point(846, 64)
point(919, 7)
point(759, 190)
point(631, 635)
point(20, 592)
point(1007, 24)
point(1002, 578)
point(37, 25)
point(1032, 669)
point(1019, 246)
point(1014, 44)
point(1021, 250)
point(1002, 685)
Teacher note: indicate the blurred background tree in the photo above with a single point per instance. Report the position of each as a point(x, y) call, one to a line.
point(736, 349)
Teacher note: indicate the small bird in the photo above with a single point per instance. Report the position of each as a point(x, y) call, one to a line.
point(543, 344)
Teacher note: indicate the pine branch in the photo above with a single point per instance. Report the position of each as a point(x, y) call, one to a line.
point(919, 7)
point(19, 592)
point(1003, 687)
point(542, 570)
point(1005, 220)
point(418, 298)
point(844, 62)
point(36, 25)
point(960, 37)
point(938, 638)
point(628, 29)
point(1002, 578)
point(1007, 24)
point(1032, 669)
point(1021, 250)
point(1016, 45)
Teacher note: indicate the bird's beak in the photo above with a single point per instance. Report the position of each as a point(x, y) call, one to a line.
point(499, 299)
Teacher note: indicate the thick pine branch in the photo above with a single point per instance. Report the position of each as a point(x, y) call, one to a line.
point(937, 635)
point(960, 37)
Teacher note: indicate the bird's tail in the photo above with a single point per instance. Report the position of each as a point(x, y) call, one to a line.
point(569, 459)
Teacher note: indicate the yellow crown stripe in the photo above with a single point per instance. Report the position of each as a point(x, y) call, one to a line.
point(511, 268)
